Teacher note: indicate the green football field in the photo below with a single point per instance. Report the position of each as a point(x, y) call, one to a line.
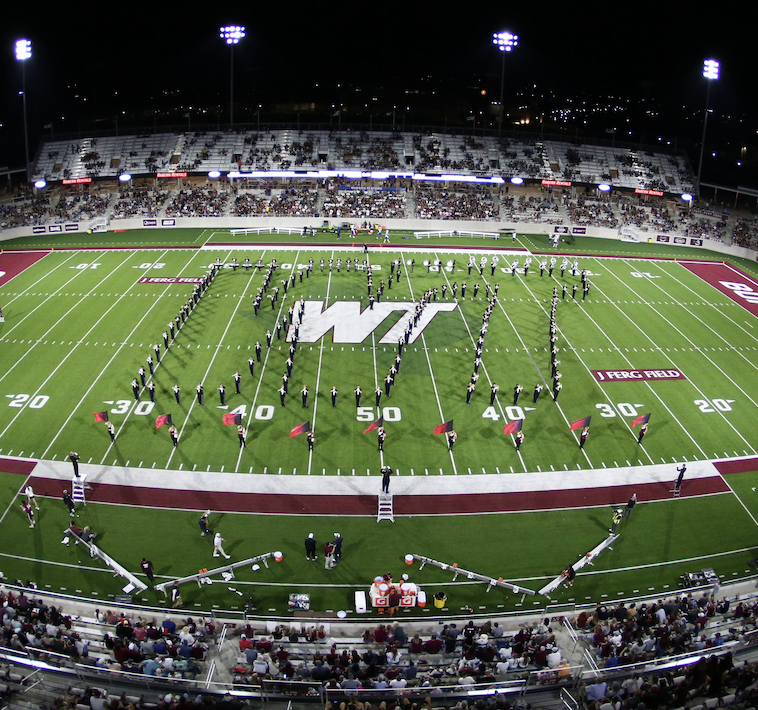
point(79, 324)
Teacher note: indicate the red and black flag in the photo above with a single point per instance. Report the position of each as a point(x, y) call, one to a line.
point(513, 427)
point(379, 422)
point(163, 419)
point(233, 418)
point(444, 428)
point(300, 429)
point(642, 419)
point(580, 423)
point(101, 416)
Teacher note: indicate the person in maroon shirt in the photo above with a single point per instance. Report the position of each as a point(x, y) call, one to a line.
point(433, 645)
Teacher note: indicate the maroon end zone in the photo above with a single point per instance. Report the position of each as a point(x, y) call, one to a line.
point(17, 466)
point(732, 282)
point(13, 263)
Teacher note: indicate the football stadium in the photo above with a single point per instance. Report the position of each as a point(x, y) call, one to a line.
point(500, 396)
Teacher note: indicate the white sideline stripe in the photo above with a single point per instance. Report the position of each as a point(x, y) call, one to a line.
point(486, 373)
point(379, 248)
point(34, 310)
point(171, 479)
point(210, 364)
point(265, 363)
point(70, 352)
point(318, 372)
point(105, 367)
point(434, 383)
point(330, 585)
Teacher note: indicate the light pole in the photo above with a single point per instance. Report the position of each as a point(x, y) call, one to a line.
point(232, 34)
point(505, 42)
point(711, 73)
point(24, 52)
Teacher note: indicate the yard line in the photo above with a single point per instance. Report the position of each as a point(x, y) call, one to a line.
point(70, 352)
point(38, 281)
point(648, 385)
point(265, 362)
point(712, 305)
point(668, 357)
point(723, 315)
point(539, 372)
point(210, 364)
point(376, 373)
point(318, 372)
point(484, 366)
point(431, 373)
point(105, 367)
point(52, 295)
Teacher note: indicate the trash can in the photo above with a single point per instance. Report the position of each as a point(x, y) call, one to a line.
point(439, 600)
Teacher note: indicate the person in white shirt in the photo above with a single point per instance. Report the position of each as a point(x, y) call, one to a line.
point(218, 546)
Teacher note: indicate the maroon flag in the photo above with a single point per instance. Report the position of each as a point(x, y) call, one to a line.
point(379, 422)
point(101, 416)
point(642, 419)
point(513, 427)
point(580, 423)
point(300, 429)
point(443, 428)
point(232, 418)
point(163, 419)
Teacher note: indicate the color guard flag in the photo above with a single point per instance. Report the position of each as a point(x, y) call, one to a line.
point(300, 429)
point(580, 423)
point(379, 422)
point(163, 419)
point(642, 419)
point(443, 428)
point(232, 418)
point(101, 416)
point(513, 427)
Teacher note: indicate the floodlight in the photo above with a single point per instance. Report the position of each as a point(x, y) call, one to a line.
point(124, 177)
point(232, 34)
point(711, 69)
point(516, 180)
point(686, 197)
point(40, 184)
point(505, 41)
point(604, 187)
point(23, 49)
point(213, 174)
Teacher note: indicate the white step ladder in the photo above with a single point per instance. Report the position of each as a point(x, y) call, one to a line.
point(78, 486)
point(385, 508)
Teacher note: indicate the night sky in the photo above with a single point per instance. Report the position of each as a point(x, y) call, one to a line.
point(146, 63)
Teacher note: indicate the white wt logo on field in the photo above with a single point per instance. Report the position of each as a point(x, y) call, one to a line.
point(353, 326)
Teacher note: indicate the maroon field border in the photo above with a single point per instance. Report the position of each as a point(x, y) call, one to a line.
point(366, 505)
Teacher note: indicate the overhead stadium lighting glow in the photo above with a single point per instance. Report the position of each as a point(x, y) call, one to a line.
point(505, 41)
point(711, 69)
point(604, 187)
point(40, 184)
point(213, 174)
point(23, 49)
point(516, 180)
point(124, 177)
point(232, 34)
point(686, 197)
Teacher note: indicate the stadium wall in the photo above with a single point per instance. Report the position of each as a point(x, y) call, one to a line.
point(224, 223)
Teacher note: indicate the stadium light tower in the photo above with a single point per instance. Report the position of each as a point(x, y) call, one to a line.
point(24, 52)
point(232, 34)
point(711, 72)
point(505, 42)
